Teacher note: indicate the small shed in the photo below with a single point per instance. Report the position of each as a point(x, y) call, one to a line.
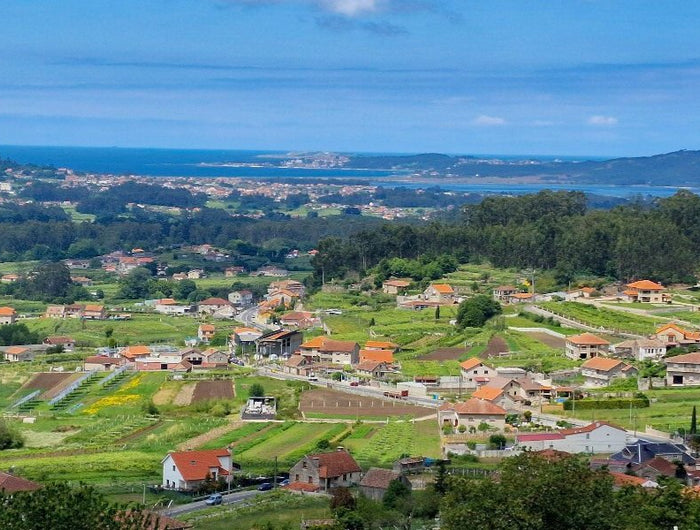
point(376, 481)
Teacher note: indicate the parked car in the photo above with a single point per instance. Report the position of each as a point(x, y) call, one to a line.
point(354, 383)
point(265, 486)
point(214, 499)
point(285, 482)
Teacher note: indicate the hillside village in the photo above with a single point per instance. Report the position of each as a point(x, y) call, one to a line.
point(389, 360)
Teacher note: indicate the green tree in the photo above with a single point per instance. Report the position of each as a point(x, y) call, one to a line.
point(256, 390)
point(9, 437)
point(60, 507)
point(475, 311)
point(396, 495)
point(694, 422)
point(134, 285)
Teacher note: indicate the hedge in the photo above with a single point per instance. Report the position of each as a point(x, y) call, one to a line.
point(638, 402)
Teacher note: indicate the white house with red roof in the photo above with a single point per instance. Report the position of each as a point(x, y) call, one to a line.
point(472, 413)
point(186, 470)
point(647, 292)
point(475, 373)
point(442, 293)
point(596, 437)
point(213, 305)
point(8, 315)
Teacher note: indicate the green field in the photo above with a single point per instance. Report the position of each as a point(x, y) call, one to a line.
point(607, 318)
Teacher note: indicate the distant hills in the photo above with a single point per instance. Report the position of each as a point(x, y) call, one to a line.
point(680, 168)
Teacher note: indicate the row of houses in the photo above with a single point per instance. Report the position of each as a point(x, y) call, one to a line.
point(160, 357)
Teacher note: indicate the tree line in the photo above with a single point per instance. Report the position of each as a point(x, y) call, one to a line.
point(554, 231)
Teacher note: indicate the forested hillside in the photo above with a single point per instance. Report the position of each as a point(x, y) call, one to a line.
point(547, 230)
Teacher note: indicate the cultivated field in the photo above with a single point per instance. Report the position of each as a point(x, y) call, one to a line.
point(333, 404)
point(549, 340)
point(208, 390)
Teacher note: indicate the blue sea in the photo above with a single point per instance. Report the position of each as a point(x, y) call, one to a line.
point(196, 163)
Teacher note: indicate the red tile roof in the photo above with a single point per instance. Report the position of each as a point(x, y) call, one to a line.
point(215, 301)
point(443, 288)
point(10, 483)
point(645, 285)
point(476, 407)
point(194, 465)
point(602, 363)
point(587, 338)
point(471, 363)
point(380, 345)
point(688, 358)
point(379, 478)
point(336, 464)
point(7, 311)
point(385, 356)
point(301, 486)
point(488, 393)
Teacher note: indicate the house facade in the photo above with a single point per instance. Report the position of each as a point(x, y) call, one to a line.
point(641, 349)
point(325, 471)
point(324, 350)
point(376, 482)
point(441, 293)
point(8, 315)
point(279, 343)
point(395, 287)
point(672, 335)
point(647, 292)
point(683, 370)
point(601, 371)
point(472, 413)
point(187, 470)
point(597, 437)
point(206, 332)
point(475, 373)
point(503, 292)
point(585, 346)
point(16, 354)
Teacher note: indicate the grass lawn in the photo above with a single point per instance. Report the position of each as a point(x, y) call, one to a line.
point(607, 318)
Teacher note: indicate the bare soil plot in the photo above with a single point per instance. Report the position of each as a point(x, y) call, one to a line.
point(184, 396)
point(165, 396)
point(198, 441)
point(496, 345)
point(46, 380)
point(444, 354)
point(333, 403)
point(549, 340)
point(208, 390)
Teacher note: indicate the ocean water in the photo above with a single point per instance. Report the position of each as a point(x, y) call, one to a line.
point(193, 163)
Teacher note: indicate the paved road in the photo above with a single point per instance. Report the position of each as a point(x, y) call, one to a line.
point(229, 498)
point(246, 317)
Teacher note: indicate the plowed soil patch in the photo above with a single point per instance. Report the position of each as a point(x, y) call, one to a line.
point(47, 380)
point(549, 340)
point(444, 354)
point(331, 402)
point(496, 345)
point(208, 390)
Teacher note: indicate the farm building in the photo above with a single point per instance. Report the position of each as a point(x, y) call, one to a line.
point(600, 371)
point(395, 287)
point(472, 413)
point(187, 470)
point(596, 437)
point(376, 482)
point(279, 343)
point(68, 343)
point(102, 363)
point(15, 354)
point(325, 471)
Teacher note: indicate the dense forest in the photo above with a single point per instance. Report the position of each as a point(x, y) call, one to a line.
point(548, 231)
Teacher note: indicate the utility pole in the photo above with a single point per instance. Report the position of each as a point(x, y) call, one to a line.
point(274, 479)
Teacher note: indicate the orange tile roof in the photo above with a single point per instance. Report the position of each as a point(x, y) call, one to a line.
point(132, 352)
point(646, 285)
point(587, 338)
point(336, 463)
point(476, 407)
point(316, 342)
point(368, 366)
point(96, 308)
point(322, 343)
point(443, 288)
point(601, 363)
point(688, 358)
point(14, 350)
point(7, 311)
point(471, 363)
point(246, 330)
point(489, 393)
point(521, 296)
point(380, 344)
point(214, 301)
point(166, 301)
point(397, 283)
point(385, 356)
point(194, 465)
point(207, 327)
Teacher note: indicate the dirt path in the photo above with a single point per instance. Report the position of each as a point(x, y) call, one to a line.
point(198, 441)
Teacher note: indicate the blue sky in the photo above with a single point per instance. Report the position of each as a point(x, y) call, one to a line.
point(569, 77)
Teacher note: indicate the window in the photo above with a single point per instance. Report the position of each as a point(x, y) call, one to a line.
point(310, 480)
point(303, 465)
point(345, 476)
point(173, 467)
point(296, 477)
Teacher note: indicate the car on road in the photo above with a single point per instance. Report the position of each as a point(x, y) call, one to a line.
point(265, 486)
point(214, 499)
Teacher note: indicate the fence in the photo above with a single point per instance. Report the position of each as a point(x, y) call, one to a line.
point(26, 398)
point(74, 386)
point(114, 374)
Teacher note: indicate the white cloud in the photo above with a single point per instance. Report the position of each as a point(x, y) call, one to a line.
point(602, 121)
point(351, 8)
point(488, 121)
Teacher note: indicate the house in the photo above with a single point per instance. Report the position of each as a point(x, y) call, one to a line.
point(245, 337)
point(395, 287)
point(472, 413)
point(620, 480)
point(94, 312)
point(279, 343)
point(12, 484)
point(410, 464)
point(640, 451)
point(209, 358)
point(131, 353)
point(297, 365)
point(206, 332)
point(168, 306)
point(374, 369)
point(376, 482)
point(230, 272)
point(16, 354)
point(441, 293)
point(521, 389)
point(475, 373)
point(647, 292)
point(596, 437)
point(241, 298)
point(497, 396)
point(641, 349)
point(520, 298)
point(585, 346)
point(195, 274)
point(683, 370)
point(289, 285)
point(581, 292)
point(325, 471)
point(187, 470)
point(67, 343)
point(8, 315)
point(284, 297)
point(601, 371)
point(212, 305)
point(55, 311)
point(299, 320)
point(674, 335)
point(102, 363)
point(503, 292)
point(325, 350)
point(385, 356)
point(381, 345)
point(9, 278)
point(82, 280)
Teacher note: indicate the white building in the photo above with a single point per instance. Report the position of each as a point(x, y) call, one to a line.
point(597, 437)
point(186, 470)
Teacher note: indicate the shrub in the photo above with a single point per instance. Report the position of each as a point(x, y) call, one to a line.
point(256, 390)
point(462, 429)
point(9, 438)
